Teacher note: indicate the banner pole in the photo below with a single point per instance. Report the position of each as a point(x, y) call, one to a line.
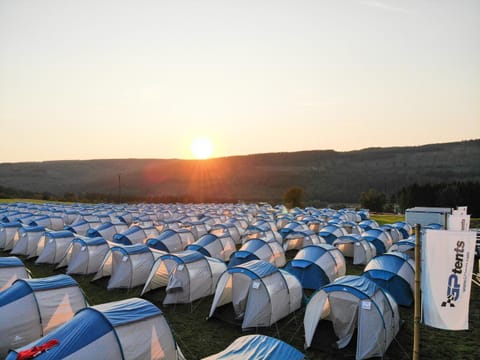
point(417, 303)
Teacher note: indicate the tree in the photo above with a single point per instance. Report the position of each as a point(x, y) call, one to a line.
point(372, 200)
point(294, 197)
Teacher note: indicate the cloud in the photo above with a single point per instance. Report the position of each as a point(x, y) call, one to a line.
point(384, 6)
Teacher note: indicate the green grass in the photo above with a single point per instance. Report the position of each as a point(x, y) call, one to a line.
point(198, 337)
point(383, 219)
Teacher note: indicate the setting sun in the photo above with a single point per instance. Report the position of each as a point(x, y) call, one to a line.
point(202, 148)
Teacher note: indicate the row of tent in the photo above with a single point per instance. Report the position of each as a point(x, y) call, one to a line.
point(49, 318)
point(262, 294)
point(258, 284)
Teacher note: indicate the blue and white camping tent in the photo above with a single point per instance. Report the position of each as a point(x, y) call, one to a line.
point(406, 246)
point(262, 229)
point(395, 273)
point(187, 275)
point(31, 308)
point(364, 214)
point(394, 233)
point(85, 255)
point(317, 265)
point(27, 240)
point(331, 233)
point(293, 226)
point(107, 230)
point(354, 302)
point(351, 227)
point(228, 229)
point(298, 239)
point(136, 235)
point(11, 269)
point(368, 224)
point(82, 226)
point(380, 238)
point(172, 240)
point(346, 244)
point(127, 265)
point(219, 247)
point(14, 216)
point(258, 249)
point(8, 231)
point(282, 219)
point(51, 222)
point(314, 223)
point(260, 293)
point(126, 329)
point(405, 228)
point(52, 246)
point(198, 228)
point(258, 347)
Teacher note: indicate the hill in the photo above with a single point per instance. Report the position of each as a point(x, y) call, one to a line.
point(326, 175)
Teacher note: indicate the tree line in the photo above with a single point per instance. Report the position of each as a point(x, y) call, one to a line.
point(436, 195)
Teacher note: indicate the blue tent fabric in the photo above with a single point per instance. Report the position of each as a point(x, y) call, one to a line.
point(11, 224)
point(96, 241)
point(51, 282)
point(59, 234)
point(16, 291)
point(258, 347)
point(157, 244)
point(254, 269)
point(384, 271)
point(123, 237)
point(240, 257)
point(310, 275)
point(125, 312)
point(10, 261)
point(187, 256)
point(34, 228)
point(71, 228)
point(362, 287)
point(96, 232)
point(23, 287)
point(132, 249)
point(247, 252)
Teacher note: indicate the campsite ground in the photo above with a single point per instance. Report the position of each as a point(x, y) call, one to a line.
point(198, 337)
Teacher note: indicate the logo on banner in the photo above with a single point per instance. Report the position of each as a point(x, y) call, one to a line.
point(453, 283)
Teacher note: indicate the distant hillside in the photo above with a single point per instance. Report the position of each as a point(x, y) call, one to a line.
point(326, 175)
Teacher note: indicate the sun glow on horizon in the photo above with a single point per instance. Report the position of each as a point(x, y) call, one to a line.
point(202, 148)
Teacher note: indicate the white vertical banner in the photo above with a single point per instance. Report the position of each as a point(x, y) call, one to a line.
point(447, 266)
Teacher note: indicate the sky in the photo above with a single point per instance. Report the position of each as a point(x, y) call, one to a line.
point(102, 79)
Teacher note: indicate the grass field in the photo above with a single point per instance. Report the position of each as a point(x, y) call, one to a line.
point(198, 337)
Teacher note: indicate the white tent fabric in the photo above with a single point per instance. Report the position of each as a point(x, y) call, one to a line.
point(52, 246)
point(28, 238)
point(11, 269)
point(85, 255)
point(363, 252)
point(187, 275)
point(128, 265)
point(228, 228)
point(8, 232)
point(297, 239)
